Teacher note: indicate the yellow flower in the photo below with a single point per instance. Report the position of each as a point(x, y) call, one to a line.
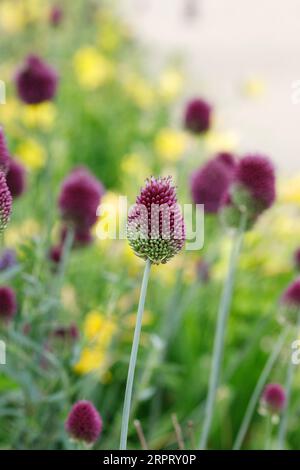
point(170, 144)
point(221, 141)
point(111, 217)
point(92, 68)
point(289, 191)
point(32, 154)
point(139, 91)
point(98, 334)
point(134, 165)
point(39, 116)
point(12, 18)
point(17, 234)
point(170, 84)
point(254, 87)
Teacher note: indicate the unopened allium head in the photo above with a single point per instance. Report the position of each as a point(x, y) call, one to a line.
point(56, 15)
point(79, 199)
point(290, 301)
point(16, 178)
point(211, 181)
point(155, 228)
point(5, 202)
point(8, 303)
point(84, 423)
point(252, 190)
point(297, 259)
point(36, 81)
point(4, 153)
point(273, 398)
point(198, 116)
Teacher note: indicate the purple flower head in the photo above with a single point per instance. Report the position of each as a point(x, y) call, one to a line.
point(254, 186)
point(8, 259)
point(4, 153)
point(5, 202)
point(84, 423)
point(155, 228)
point(291, 296)
point(56, 15)
point(274, 398)
point(79, 199)
point(36, 81)
point(210, 183)
point(8, 303)
point(66, 333)
point(16, 178)
point(55, 254)
point(197, 118)
point(297, 259)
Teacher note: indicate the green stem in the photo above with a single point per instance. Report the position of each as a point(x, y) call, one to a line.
point(133, 357)
point(258, 390)
point(269, 427)
point(288, 389)
point(220, 333)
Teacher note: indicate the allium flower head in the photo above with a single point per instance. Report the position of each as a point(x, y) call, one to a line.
point(198, 116)
point(274, 398)
point(55, 254)
point(155, 228)
point(16, 178)
point(254, 186)
point(84, 422)
point(79, 199)
point(36, 81)
point(291, 296)
point(211, 181)
point(4, 153)
point(56, 15)
point(5, 202)
point(8, 303)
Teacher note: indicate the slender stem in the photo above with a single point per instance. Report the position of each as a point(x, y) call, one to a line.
point(269, 427)
point(133, 357)
point(178, 432)
point(223, 312)
point(258, 390)
point(141, 435)
point(288, 389)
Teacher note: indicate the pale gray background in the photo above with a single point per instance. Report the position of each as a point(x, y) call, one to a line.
point(229, 41)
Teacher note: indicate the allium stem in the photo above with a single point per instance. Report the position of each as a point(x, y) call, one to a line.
point(258, 391)
point(223, 312)
point(133, 357)
point(288, 389)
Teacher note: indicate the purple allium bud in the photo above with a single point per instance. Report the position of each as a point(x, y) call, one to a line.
point(79, 198)
point(155, 228)
point(4, 153)
point(254, 186)
point(210, 183)
point(84, 423)
point(274, 398)
point(66, 333)
point(55, 254)
point(8, 303)
point(5, 202)
point(197, 118)
point(16, 178)
point(291, 296)
point(36, 81)
point(297, 259)
point(56, 15)
point(8, 259)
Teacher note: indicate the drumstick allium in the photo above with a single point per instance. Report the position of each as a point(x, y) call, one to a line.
point(156, 232)
point(84, 423)
point(5, 202)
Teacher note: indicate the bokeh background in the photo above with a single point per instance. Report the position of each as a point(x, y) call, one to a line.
point(126, 71)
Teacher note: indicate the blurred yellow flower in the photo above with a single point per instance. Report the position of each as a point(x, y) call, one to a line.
point(289, 191)
point(92, 68)
point(216, 141)
point(10, 112)
point(133, 164)
point(17, 234)
point(39, 116)
point(170, 144)
point(98, 334)
point(111, 217)
point(170, 84)
point(32, 154)
point(139, 90)
point(12, 17)
point(254, 87)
